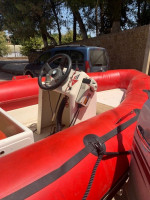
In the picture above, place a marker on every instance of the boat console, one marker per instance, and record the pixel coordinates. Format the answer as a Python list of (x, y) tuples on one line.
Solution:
[(67, 104)]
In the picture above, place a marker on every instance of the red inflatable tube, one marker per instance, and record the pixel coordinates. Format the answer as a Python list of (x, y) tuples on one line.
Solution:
[(18, 93), (60, 166)]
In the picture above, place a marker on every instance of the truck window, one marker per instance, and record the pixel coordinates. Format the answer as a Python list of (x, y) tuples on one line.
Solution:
[(77, 60)]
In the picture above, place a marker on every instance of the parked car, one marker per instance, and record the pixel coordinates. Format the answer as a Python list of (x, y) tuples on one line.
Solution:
[(84, 58)]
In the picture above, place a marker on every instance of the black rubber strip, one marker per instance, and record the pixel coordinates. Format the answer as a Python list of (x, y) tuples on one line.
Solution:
[(46, 180), (119, 128)]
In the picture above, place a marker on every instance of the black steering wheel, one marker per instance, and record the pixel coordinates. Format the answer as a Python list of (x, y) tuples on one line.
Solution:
[(54, 71)]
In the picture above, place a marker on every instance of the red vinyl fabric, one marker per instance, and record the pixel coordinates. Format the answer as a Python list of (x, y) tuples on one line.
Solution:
[(24, 167), (18, 93)]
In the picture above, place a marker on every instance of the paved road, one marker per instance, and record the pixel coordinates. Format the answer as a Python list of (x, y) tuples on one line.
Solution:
[(15, 67), (5, 76), (7, 61)]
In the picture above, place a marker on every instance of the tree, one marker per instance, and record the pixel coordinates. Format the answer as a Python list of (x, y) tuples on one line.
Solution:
[(25, 19), (68, 37), (4, 49), (143, 12), (75, 5), (115, 9), (31, 45), (41, 18), (53, 5), (1, 22)]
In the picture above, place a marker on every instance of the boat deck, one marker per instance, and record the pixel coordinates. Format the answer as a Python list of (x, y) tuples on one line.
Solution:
[(106, 100)]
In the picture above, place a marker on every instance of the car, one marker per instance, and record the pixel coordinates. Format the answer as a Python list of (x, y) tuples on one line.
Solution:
[(84, 58)]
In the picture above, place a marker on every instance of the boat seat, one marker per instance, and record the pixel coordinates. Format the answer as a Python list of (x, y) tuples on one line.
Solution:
[(13, 134), (2, 135)]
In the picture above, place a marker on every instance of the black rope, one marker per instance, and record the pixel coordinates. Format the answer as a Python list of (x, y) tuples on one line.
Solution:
[(100, 157), (53, 129), (53, 116), (57, 103), (60, 113), (50, 102), (75, 116), (92, 177)]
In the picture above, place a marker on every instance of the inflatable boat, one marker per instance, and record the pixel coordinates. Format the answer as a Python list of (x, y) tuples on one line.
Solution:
[(86, 156)]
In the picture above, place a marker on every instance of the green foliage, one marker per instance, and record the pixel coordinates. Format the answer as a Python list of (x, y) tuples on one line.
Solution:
[(68, 37), (14, 41), (4, 49), (25, 19), (31, 45)]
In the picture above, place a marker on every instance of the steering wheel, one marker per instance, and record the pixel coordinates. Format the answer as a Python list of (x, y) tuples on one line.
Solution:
[(55, 73)]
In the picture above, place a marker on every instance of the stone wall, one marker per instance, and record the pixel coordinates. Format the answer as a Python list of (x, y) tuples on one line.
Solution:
[(126, 49)]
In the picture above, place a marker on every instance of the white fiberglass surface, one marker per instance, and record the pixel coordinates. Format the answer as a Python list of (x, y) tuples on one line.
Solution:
[(111, 97)]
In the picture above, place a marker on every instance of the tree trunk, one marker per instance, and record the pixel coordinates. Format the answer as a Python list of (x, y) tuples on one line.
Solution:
[(139, 12), (102, 22), (80, 22), (57, 21), (44, 37), (97, 18), (115, 27), (54, 43), (74, 29), (115, 6)]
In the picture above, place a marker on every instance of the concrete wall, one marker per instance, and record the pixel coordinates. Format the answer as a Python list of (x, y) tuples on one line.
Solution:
[(126, 49), (14, 51)]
